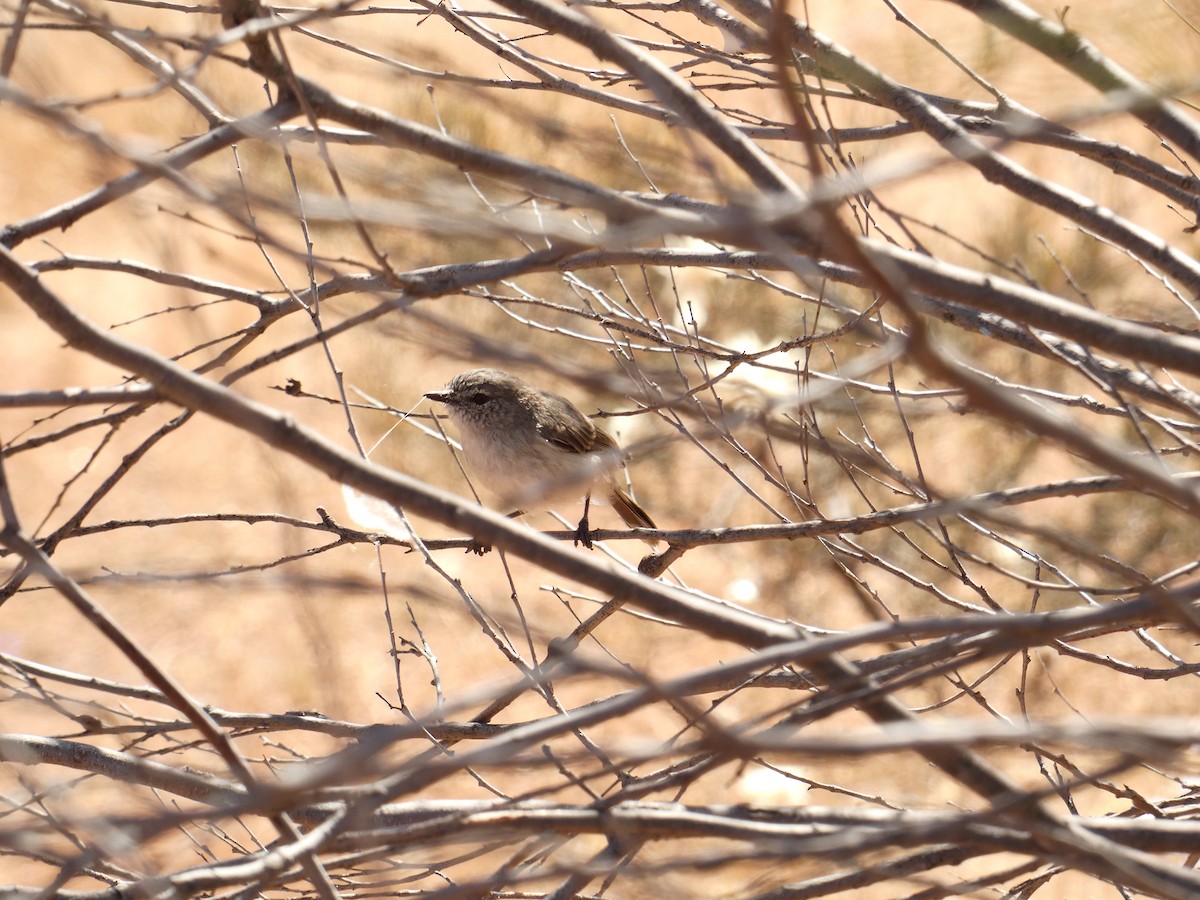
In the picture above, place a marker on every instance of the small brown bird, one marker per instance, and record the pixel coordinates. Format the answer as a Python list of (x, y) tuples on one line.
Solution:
[(530, 446)]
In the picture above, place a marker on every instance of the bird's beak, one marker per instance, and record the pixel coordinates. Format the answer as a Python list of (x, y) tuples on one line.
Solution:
[(439, 396)]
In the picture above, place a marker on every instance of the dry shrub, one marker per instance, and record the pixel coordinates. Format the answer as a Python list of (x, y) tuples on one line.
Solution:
[(895, 315)]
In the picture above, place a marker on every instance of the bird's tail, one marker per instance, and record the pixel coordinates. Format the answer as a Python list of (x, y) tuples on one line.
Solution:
[(631, 512)]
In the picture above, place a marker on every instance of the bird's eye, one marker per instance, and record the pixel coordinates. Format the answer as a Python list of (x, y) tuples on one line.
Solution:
[(479, 399)]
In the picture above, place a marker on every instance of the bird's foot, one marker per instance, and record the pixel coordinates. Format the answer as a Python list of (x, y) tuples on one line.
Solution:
[(583, 534)]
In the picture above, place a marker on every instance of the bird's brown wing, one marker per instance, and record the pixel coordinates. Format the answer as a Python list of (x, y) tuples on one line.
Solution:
[(573, 431), (576, 433)]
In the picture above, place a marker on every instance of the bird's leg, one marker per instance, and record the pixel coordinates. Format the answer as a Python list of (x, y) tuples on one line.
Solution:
[(479, 549), (583, 534)]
